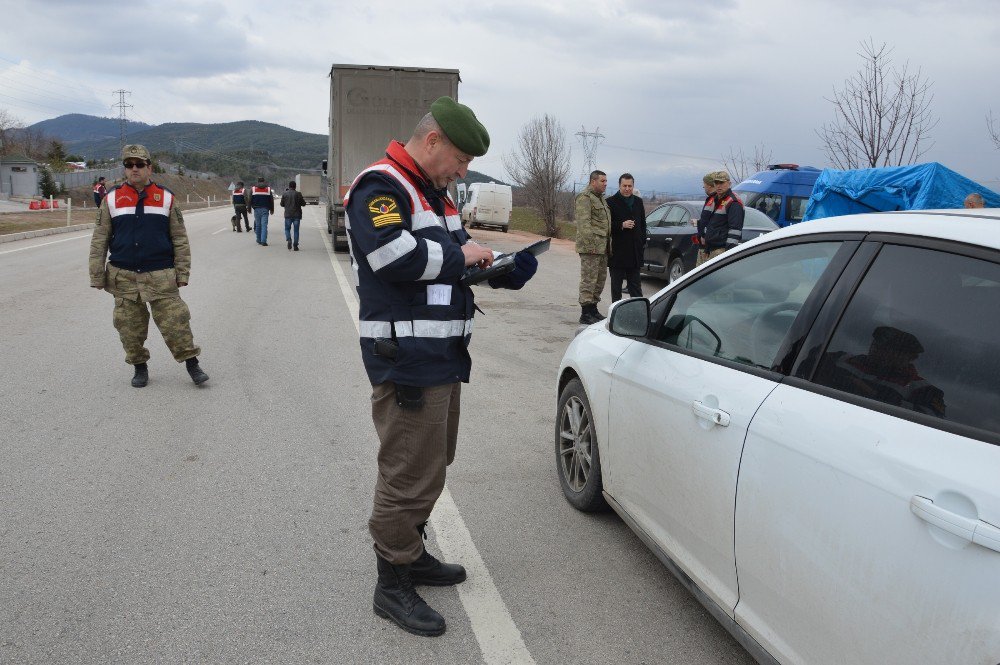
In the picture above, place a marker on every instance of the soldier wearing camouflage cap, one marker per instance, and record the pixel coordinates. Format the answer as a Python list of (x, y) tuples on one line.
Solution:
[(409, 253), (720, 226), (141, 227)]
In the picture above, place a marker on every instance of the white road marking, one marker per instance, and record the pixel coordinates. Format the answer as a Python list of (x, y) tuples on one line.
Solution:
[(43, 244), (499, 639), (220, 230)]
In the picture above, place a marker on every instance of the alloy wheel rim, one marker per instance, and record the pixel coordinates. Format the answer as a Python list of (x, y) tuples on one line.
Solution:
[(575, 442)]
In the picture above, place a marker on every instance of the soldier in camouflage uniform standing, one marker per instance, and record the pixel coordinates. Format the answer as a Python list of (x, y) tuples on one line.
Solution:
[(143, 229), (593, 244)]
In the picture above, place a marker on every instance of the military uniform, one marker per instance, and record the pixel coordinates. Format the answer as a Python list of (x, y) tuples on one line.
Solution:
[(240, 201), (593, 244), (143, 230)]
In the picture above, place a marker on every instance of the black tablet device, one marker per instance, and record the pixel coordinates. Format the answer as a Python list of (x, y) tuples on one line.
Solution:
[(502, 265)]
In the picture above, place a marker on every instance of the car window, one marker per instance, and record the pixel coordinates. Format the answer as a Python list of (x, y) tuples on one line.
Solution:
[(654, 218), (765, 202), (796, 208), (743, 310), (922, 333), (675, 216), (758, 221)]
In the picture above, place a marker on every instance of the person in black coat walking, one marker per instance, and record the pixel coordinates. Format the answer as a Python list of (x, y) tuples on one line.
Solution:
[(628, 238)]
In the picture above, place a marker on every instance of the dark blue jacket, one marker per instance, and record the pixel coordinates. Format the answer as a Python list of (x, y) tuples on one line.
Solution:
[(408, 269), (261, 197), (140, 228)]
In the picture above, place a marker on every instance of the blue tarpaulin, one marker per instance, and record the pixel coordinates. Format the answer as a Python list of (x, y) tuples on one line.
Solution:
[(919, 187)]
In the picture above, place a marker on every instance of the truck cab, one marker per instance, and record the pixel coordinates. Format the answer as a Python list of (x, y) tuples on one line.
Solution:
[(781, 192)]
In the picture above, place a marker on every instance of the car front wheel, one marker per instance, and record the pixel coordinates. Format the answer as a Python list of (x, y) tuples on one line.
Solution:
[(676, 270), (578, 461)]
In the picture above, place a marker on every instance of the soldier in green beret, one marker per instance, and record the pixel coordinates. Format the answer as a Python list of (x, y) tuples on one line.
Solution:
[(141, 227), (410, 252)]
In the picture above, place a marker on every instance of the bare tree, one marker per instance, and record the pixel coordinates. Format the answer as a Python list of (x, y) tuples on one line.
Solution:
[(8, 123), (741, 166), (539, 162), (993, 128), (883, 115)]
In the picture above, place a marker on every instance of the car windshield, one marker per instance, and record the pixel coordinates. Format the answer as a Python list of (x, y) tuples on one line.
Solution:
[(766, 202)]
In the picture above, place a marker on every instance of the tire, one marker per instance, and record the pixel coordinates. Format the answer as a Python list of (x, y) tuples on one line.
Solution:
[(675, 270), (578, 462), (505, 229)]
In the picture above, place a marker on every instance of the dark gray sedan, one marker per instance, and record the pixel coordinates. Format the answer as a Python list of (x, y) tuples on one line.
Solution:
[(669, 251)]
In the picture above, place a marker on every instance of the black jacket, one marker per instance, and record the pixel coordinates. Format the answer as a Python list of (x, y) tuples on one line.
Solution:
[(292, 201), (626, 244)]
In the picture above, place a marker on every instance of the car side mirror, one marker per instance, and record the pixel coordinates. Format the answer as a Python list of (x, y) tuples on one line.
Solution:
[(629, 318)]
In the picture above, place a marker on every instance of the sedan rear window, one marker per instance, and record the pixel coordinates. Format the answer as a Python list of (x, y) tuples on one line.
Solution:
[(922, 333)]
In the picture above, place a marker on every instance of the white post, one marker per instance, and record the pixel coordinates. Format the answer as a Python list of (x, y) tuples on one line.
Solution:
[(69, 207), (189, 198), (50, 203)]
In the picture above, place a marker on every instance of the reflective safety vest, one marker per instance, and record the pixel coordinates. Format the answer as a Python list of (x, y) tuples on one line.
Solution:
[(260, 197), (407, 266), (239, 197), (724, 227), (140, 228)]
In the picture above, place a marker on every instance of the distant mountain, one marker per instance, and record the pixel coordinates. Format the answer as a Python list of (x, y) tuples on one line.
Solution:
[(75, 128), (240, 150)]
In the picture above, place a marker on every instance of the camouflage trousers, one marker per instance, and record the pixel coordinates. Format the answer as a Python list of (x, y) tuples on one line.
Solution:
[(157, 289), (707, 255), (593, 274)]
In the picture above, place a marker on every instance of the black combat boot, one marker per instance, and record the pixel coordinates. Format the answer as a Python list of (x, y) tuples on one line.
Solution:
[(289, 245), (589, 314), (197, 375), (141, 377), (431, 572), (396, 599), (295, 247)]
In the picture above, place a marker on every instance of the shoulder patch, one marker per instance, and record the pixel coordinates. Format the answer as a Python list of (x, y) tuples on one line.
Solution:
[(384, 211)]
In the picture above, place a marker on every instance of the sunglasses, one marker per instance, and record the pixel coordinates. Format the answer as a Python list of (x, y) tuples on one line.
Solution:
[(135, 165)]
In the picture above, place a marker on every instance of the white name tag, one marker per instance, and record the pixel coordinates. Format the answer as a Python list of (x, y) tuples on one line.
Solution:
[(439, 294)]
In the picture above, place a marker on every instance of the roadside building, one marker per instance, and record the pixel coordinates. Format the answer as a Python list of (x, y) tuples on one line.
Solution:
[(18, 176)]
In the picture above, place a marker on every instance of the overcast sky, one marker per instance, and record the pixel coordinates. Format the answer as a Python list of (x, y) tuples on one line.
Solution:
[(672, 85)]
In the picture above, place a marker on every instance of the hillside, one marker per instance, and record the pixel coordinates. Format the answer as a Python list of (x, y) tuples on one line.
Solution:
[(240, 150), (74, 129)]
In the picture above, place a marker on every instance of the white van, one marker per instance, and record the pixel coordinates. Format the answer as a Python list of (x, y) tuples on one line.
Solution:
[(489, 204)]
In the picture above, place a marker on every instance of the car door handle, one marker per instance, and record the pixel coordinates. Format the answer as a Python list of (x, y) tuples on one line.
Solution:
[(975, 531), (717, 416)]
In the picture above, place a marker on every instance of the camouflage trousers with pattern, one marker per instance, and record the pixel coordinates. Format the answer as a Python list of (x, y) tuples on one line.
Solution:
[(158, 290), (593, 275)]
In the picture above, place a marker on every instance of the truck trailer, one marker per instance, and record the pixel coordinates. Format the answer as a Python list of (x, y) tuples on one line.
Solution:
[(369, 107), (309, 186)]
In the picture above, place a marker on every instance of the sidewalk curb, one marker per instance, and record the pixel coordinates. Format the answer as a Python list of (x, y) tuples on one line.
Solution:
[(22, 235), (11, 237)]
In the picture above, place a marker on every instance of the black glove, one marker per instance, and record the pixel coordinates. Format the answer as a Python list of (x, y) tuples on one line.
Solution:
[(525, 265)]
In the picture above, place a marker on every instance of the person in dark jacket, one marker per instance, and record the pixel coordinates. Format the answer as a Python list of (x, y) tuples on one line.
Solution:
[(241, 204), (262, 202), (724, 228), (628, 238), (101, 190), (293, 202)]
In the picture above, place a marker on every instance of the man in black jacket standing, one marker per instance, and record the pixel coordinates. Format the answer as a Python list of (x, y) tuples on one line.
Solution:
[(628, 238), (293, 202)]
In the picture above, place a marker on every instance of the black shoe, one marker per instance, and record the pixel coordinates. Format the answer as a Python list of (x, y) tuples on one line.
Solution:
[(264, 244), (430, 571), (239, 230), (289, 245), (395, 599), (295, 247), (589, 315), (197, 374), (141, 377)]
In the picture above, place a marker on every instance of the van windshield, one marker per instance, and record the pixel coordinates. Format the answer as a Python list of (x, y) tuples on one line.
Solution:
[(766, 202), (796, 208)]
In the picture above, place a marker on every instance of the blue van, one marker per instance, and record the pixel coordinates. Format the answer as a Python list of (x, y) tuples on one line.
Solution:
[(781, 192)]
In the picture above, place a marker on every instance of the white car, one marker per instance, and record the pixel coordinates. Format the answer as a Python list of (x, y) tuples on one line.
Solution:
[(806, 431)]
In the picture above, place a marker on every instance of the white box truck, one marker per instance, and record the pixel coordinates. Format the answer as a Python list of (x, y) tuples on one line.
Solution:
[(308, 185), (369, 107), (487, 204)]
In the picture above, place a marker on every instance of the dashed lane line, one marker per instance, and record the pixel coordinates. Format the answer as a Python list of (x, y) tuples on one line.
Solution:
[(43, 244), (499, 639)]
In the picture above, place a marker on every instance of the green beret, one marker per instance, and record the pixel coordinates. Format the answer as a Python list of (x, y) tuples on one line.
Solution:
[(461, 126), (136, 151)]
